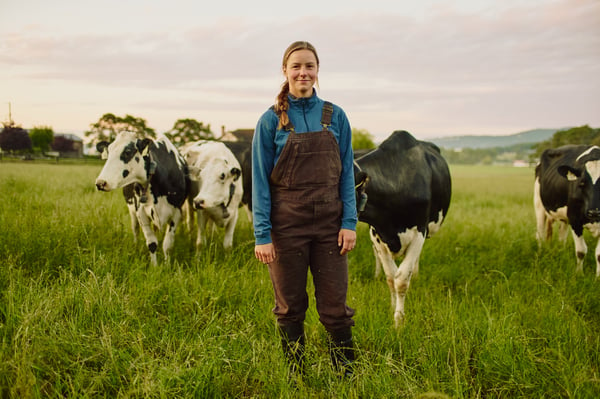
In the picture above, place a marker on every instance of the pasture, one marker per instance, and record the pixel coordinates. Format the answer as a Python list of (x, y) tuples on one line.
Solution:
[(83, 314)]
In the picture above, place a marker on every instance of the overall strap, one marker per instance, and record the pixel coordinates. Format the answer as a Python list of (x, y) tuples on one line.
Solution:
[(326, 115)]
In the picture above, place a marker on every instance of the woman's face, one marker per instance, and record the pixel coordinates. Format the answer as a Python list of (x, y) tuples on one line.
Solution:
[(301, 71)]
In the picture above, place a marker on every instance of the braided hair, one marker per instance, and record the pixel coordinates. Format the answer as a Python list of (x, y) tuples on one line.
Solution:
[(281, 103)]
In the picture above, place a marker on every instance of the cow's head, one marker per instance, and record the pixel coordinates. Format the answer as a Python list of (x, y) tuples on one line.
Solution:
[(217, 180), (361, 180), (126, 159), (584, 176)]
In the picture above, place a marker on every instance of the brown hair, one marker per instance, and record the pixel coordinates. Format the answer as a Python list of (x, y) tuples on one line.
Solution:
[(281, 103)]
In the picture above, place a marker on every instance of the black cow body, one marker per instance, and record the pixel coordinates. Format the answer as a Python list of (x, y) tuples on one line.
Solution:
[(409, 188), (242, 150), (567, 190), (155, 184)]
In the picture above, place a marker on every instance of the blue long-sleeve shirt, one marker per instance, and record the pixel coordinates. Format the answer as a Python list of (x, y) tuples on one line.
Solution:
[(267, 144)]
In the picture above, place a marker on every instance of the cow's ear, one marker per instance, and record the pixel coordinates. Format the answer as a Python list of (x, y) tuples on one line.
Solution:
[(194, 173), (236, 173), (102, 148), (568, 172), (142, 144)]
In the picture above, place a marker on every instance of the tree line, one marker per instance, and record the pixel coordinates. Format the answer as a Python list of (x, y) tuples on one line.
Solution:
[(15, 139)]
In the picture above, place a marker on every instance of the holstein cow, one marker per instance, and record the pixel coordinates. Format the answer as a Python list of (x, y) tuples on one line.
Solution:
[(154, 179), (243, 153), (217, 187), (403, 192), (567, 189)]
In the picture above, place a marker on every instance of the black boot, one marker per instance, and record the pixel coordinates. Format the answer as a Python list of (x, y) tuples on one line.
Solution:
[(341, 350), (292, 343)]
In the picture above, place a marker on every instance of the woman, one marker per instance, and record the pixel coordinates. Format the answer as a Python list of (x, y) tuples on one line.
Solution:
[(304, 207)]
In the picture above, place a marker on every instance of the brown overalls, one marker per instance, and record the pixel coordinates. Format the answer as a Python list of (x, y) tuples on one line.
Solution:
[(306, 215)]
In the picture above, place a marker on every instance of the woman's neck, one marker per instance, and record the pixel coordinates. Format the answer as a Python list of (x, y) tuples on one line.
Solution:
[(303, 94)]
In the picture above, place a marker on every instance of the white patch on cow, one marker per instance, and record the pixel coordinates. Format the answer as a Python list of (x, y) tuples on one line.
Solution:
[(210, 166), (559, 214), (398, 277), (571, 176), (587, 152), (434, 227), (594, 229), (593, 169)]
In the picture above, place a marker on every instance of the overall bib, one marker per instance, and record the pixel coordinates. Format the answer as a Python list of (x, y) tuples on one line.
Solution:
[(306, 215)]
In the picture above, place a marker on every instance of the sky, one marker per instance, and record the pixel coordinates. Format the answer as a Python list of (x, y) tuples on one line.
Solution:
[(432, 67)]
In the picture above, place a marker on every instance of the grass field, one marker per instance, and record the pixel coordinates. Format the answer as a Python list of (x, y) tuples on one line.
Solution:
[(82, 314)]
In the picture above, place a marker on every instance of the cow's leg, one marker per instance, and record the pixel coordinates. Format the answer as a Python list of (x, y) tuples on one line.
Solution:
[(416, 268), (548, 229), (187, 214), (135, 225), (390, 268), (248, 213), (202, 219), (151, 240), (580, 250), (377, 263), (563, 231), (375, 253), (540, 215), (404, 273), (229, 229), (169, 238)]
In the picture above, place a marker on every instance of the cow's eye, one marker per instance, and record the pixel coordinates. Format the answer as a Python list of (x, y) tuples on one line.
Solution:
[(222, 176)]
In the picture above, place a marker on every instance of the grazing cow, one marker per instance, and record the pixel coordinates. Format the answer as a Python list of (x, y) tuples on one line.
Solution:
[(567, 190), (243, 152), (217, 187), (403, 193), (154, 179)]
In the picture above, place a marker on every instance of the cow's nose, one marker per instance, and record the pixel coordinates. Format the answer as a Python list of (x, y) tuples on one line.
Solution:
[(593, 214), (101, 184), (199, 204)]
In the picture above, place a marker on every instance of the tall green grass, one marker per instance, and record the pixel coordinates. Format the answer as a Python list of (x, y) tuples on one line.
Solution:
[(82, 314)]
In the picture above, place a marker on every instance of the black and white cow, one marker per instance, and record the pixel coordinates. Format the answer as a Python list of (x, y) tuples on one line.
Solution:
[(216, 187), (243, 152), (408, 187), (567, 190), (154, 179)]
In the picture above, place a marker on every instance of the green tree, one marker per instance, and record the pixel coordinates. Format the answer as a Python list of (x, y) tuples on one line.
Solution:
[(189, 130), (362, 140), (577, 135), (109, 125), (41, 137)]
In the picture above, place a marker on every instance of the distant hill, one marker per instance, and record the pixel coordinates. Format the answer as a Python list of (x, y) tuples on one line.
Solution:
[(529, 136)]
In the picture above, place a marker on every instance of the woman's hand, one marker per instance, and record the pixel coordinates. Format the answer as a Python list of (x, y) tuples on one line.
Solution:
[(346, 240), (265, 253)]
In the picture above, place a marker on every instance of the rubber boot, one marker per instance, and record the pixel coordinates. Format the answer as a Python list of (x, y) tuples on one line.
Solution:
[(292, 343), (341, 350)]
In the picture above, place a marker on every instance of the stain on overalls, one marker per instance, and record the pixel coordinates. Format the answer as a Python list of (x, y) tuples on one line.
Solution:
[(306, 215)]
